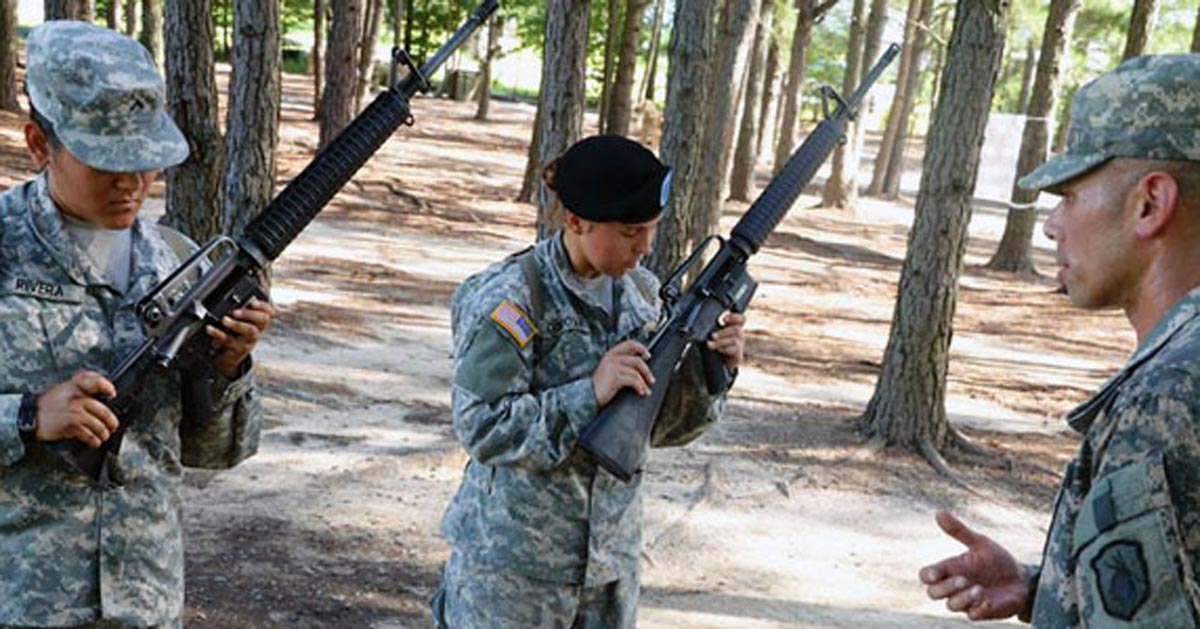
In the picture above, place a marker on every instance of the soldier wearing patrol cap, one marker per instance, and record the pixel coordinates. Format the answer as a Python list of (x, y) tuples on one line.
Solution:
[(74, 260), (543, 340), (1124, 544)]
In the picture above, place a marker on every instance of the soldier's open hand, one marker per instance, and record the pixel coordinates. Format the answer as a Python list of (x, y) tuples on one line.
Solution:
[(245, 327), (622, 366), (71, 410), (985, 582)]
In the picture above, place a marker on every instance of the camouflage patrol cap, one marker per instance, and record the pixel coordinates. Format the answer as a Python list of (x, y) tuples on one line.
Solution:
[(103, 96), (1147, 108)]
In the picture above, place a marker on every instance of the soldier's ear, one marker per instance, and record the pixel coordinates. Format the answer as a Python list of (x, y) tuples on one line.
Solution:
[(572, 222), (38, 144), (1157, 198)]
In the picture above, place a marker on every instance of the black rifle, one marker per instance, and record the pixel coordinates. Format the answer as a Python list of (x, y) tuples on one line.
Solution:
[(225, 274), (619, 435)]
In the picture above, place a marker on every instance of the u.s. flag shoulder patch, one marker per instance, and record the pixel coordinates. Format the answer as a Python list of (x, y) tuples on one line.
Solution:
[(513, 320)]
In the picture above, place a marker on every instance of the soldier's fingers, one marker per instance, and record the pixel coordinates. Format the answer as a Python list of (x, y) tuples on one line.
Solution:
[(220, 337), (980, 610), (102, 413), (93, 384), (257, 318), (641, 368), (96, 427), (241, 329), (632, 379), (733, 320), (947, 587), (632, 348), (965, 599), (83, 434), (954, 527)]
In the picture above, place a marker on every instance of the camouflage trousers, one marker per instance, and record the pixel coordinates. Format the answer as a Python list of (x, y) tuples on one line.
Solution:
[(108, 624), (477, 597)]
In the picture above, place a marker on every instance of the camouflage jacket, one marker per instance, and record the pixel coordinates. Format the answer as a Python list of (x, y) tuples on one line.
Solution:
[(1125, 540), (72, 552), (531, 501)]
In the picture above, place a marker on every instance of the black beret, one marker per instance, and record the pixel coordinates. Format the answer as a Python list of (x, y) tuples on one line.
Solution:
[(610, 178)]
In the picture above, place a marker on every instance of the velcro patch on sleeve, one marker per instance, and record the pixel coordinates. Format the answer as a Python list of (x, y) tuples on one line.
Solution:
[(513, 320)]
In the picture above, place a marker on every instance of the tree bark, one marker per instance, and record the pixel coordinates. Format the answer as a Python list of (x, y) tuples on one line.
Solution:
[(1027, 72), (337, 104), (727, 85), (655, 37), (112, 16), (397, 21), (841, 189), (64, 9), (318, 55), (564, 66), (894, 118), (794, 84), (620, 106), (533, 170), (745, 158), (485, 77), (1014, 254), (770, 97), (608, 70), (1196, 34), (132, 17), (194, 195), (1141, 28), (152, 29), (912, 91), (908, 406), (372, 19), (254, 104), (691, 55), (8, 57), (876, 20)]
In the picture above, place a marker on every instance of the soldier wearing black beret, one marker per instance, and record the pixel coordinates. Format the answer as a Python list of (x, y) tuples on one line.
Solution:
[(542, 536)]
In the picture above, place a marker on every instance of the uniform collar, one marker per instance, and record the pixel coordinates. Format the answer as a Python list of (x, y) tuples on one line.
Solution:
[(1182, 313), (561, 262)]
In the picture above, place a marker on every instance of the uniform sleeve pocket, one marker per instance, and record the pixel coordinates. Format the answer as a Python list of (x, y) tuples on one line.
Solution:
[(1130, 564)]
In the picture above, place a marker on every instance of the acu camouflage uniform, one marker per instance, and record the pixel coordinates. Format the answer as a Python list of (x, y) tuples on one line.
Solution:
[(74, 553), (1125, 540), (533, 508)]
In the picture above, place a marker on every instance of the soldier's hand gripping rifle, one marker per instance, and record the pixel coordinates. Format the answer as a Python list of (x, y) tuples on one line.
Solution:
[(619, 435), (225, 274)]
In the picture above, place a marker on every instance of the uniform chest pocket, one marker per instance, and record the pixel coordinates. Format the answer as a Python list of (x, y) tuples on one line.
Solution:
[(570, 350), (27, 361), (78, 335), (1130, 563)]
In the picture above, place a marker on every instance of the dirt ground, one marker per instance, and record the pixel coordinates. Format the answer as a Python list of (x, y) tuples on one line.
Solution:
[(783, 515)]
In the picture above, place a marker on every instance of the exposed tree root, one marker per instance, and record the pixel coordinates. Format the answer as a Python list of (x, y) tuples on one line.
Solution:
[(968, 451), (939, 465)]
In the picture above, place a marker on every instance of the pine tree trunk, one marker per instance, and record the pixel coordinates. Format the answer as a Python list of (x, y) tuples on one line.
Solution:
[(397, 21), (770, 96), (876, 20), (533, 166), (112, 16), (1027, 78), (152, 29), (745, 158), (841, 189), (691, 56), (372, 19), (794, 83), (1014, 254), (727, 86), (194, 192), (912, 89), (1196, 34), (609, 70), (1141, 28), (132, 17), (563, 95), (8, 57), (485, 76), (318, 56), (894, 118), (63, 9), (655, 37), (337, 103), (620, 107), (908, 406), (254, 104)]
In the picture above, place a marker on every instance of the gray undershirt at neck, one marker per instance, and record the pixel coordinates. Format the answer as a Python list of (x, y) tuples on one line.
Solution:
[(600, 289), (110, 250)]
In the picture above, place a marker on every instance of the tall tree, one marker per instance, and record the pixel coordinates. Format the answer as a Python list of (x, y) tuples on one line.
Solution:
[(66, 9), (895, 116), (735, 35), (770, 95), (112, 16), (254, 102), (8, 56), (1027, 73), (912, 89), (372, 19), (908, 406), (533, 165), (876, 20), (398, 16), (841, 188), (564, 66), (608, 67), (1141, 27), (337, 103), (655, 37), (1014, 252), (1196, 34), (152, 29), (691, 55), (620, 105), (318, 56), (745, 157), (495, 26), (807, 14), (194, 194), (132, 16)]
